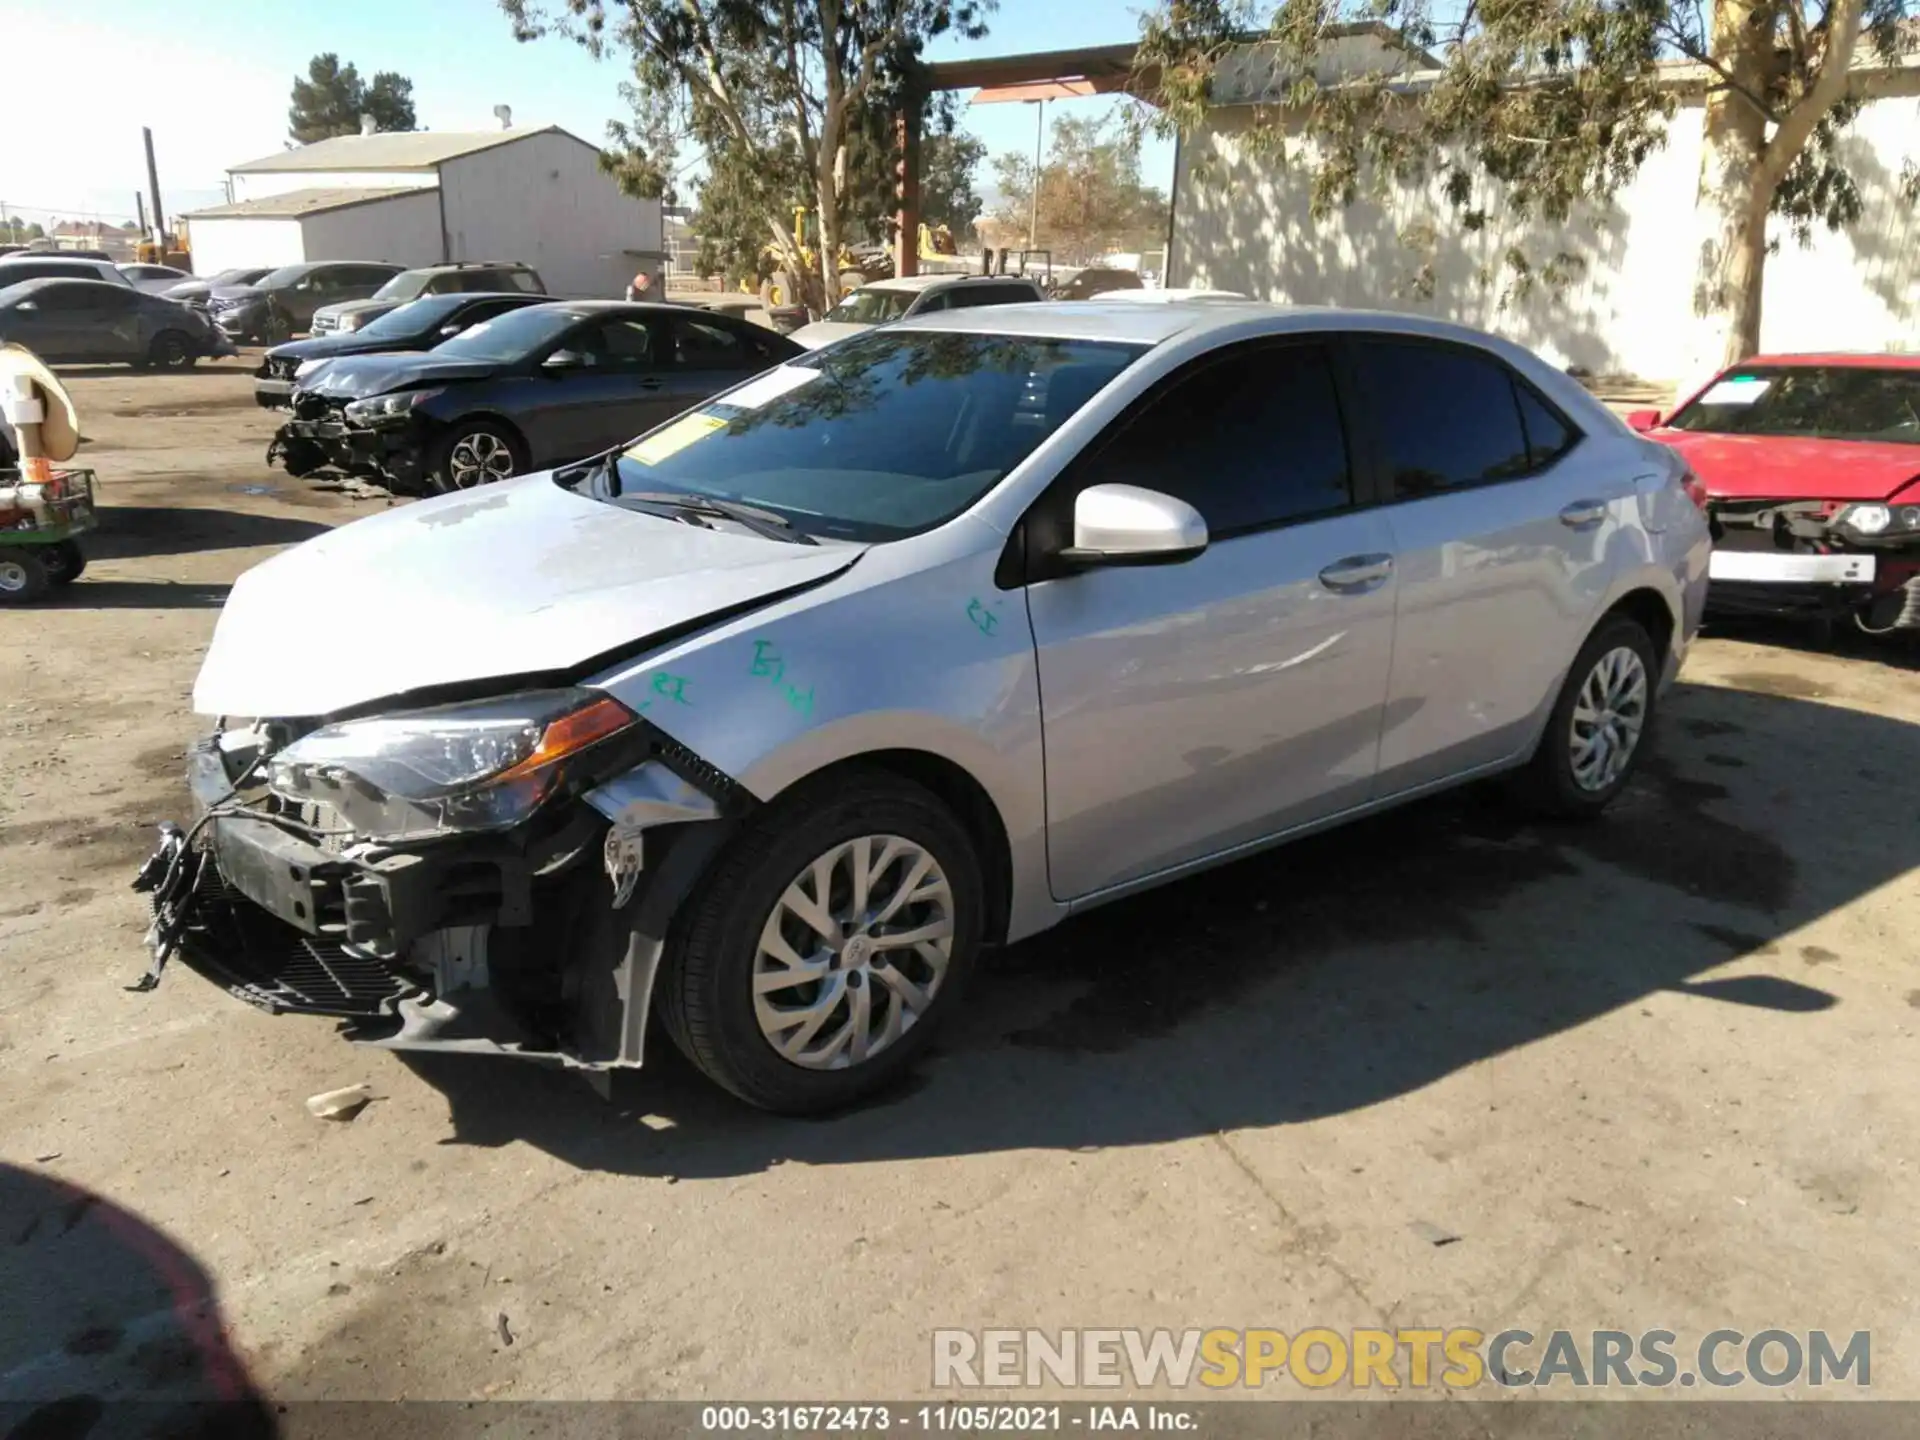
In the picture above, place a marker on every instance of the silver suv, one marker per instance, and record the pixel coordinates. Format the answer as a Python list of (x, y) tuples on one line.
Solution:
[(467, 276), (885, 301), (769, 720)]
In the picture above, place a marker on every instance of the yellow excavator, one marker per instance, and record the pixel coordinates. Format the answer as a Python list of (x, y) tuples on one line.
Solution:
[(171, 250), (858, 265)]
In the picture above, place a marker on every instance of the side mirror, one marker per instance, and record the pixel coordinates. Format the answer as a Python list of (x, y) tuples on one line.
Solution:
[(565, 360), (448, 331), (1131, 525), (1643, 420)]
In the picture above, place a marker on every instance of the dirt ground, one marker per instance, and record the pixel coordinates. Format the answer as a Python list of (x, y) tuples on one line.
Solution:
[(1438, 1070)]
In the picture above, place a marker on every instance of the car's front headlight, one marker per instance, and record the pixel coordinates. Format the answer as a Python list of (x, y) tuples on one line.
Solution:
[(1873, 520), (349, 322), (482, 766), (377, 408)]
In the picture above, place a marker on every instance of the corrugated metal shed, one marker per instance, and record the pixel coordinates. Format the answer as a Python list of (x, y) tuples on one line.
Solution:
[(294, 203), (392, 150)]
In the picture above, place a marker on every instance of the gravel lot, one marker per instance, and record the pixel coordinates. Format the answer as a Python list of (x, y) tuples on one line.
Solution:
[(1438, 1070)]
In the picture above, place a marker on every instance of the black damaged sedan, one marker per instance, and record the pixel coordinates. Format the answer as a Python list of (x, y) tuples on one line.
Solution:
[(527, 390), (418, 325)]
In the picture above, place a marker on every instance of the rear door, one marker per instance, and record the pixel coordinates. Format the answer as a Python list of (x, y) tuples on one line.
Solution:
[(49, 321), (612, 386), (712, 354), (1195, 707), (1500, 520)]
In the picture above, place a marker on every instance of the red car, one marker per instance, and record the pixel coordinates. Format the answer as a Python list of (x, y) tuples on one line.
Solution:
[(1811, 465)]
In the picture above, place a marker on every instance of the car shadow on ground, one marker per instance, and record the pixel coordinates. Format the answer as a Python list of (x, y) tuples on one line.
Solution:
[(1900, 650), (110, 1329), (136, 531), (1331, 974)]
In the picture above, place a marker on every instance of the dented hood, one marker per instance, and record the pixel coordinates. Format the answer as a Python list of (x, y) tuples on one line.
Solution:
[(517, 579)]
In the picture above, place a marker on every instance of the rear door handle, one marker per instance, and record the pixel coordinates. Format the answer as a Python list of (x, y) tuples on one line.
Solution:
[(1357, 574), (1584, 514)]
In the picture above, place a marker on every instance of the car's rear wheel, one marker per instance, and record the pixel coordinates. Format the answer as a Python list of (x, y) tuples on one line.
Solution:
[(170, 350), (811, 965), (478, 452), (23, 575), (1599, 727)]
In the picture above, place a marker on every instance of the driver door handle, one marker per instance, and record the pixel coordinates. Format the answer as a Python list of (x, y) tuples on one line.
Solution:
[(1357, 574), (1584, 514)]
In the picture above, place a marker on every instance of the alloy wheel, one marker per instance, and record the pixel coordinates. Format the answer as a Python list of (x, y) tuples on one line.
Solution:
[(1608, 718), (853, 953), (479, 459)]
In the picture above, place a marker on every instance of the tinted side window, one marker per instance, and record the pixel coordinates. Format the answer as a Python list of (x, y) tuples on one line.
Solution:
[(61, 299), (1447, 416), (1249, 440), (486, 310), (1549, 434), (628, 344), (359, 277), (702, 345)]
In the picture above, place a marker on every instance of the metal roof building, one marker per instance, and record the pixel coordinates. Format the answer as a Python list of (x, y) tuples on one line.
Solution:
[(537, 196)]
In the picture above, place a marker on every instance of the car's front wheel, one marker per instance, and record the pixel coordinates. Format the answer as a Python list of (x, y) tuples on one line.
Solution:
[(809, 968), (478, 452), (1599, 726)]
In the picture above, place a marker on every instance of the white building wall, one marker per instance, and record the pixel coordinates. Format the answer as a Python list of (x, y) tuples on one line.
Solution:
[(545, 201), (225, 243), (404, 230), (259, 186), (1247, 227)]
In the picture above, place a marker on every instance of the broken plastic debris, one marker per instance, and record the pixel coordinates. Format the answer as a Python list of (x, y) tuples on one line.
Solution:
[(506, 1335), (342, 1104)]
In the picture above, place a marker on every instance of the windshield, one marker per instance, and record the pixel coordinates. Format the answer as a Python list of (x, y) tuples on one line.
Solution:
[(512, 336), (871, 305), (1825, 402), (889, 434), (239, 275), (404, 286), (412, 318)]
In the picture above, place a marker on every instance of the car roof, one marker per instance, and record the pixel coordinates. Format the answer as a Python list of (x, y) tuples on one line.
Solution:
[(929, 282), (1880, 360), (41, 282), (1099, 319)]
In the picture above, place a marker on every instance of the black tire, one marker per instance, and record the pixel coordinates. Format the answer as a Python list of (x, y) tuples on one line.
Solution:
[(302, 457), (23, 575), (66, 562), (779, 289), (171, 350), (1548, 785), (705, 990), (446, 472)]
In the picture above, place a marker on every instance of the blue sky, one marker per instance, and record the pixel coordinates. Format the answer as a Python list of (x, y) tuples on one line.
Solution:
[(212, 79)]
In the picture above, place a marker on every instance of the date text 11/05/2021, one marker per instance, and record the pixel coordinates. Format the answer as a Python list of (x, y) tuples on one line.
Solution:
[(951, 1418)]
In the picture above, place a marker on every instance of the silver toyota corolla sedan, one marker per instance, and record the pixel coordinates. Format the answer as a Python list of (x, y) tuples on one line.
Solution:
[(768, 721)]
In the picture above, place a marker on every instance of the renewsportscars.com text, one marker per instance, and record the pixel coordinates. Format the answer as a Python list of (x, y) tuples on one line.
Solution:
[(1460, 1358)]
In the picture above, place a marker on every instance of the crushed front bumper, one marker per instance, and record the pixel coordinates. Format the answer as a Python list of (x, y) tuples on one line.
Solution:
[(1790, 558), (391, 453), (517, 943)]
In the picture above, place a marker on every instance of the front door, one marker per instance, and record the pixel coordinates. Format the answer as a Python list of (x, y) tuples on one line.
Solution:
[(613, 387), (1501, 524), (1194, 707)]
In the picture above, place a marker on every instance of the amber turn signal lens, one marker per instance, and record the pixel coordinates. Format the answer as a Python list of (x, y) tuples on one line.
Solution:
[(573, 732)]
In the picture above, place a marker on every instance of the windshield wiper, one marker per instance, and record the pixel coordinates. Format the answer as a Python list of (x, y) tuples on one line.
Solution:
[(684, 504)]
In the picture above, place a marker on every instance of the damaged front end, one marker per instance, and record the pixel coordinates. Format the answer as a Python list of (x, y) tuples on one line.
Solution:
[(375, 438), (1818, 559), (488, 877)]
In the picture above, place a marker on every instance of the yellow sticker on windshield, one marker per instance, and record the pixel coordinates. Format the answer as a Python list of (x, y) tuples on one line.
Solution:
[(675, 438)]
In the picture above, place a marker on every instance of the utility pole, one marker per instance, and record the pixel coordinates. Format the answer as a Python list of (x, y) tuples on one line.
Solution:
[(153, 187)]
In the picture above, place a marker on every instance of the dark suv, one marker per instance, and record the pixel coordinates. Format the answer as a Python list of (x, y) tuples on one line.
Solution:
[(281, 303), (465, 276)]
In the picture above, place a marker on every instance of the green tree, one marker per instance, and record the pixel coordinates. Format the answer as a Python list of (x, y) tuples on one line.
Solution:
[(1091, 198), (1558, 102), (789, 103), (332, 98), (948, 164)]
